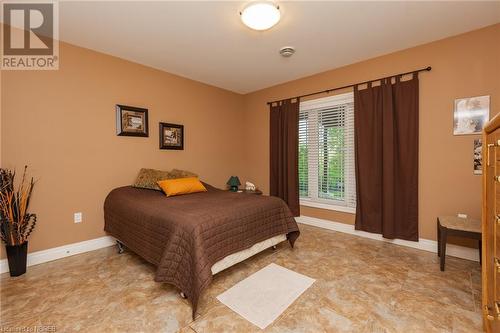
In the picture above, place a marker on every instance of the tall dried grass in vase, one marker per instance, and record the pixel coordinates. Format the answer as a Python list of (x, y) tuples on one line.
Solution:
[(16, 224)]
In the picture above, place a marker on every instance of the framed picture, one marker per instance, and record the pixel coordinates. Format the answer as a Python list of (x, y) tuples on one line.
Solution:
[(131, 121), (478, 157), (471, 114), (171, 136)]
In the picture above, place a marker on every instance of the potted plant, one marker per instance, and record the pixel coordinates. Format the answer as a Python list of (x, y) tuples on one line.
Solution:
[(16, 224)]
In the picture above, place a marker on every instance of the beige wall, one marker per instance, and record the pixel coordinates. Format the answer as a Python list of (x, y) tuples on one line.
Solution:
[(62, 124), (465, 65)]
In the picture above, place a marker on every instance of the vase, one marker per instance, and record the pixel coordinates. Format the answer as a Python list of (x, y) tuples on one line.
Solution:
[(16, 255)]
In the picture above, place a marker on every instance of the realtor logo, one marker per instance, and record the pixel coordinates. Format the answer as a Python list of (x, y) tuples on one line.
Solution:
[(30, 36)]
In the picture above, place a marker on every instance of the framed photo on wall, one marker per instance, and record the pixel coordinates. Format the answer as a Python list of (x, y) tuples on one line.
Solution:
[(131, 121), (470, 115), (478, 157), (171, 136)]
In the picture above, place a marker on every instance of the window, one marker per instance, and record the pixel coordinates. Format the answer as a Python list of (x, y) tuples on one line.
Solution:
[(326, 153)]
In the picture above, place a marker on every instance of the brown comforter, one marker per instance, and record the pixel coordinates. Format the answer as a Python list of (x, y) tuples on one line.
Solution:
[(185, 235)]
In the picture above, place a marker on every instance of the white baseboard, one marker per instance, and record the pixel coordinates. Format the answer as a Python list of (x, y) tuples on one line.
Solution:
[(422, 244), (40, 257)]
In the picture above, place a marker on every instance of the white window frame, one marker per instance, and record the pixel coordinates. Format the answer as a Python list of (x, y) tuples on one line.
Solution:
[(314, 200)]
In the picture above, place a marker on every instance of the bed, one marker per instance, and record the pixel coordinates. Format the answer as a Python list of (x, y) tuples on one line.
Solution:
[(191, 237)]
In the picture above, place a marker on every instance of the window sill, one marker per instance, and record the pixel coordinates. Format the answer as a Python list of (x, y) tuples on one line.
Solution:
[(315, 204)]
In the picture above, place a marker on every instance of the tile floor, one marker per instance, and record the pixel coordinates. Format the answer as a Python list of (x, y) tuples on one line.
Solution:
[(362, 286)]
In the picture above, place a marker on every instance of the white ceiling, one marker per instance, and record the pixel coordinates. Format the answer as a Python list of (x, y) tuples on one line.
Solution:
[(206, 41)]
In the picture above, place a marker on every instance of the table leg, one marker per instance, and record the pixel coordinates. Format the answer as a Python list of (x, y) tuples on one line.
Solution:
[(442, 246), (439, 238)]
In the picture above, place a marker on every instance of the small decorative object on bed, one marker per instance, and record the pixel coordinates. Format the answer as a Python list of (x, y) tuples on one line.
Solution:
[(171, 136), (16, 224), (471, 114), (233, 183), (250, 186), (478, 157), (131, 121)]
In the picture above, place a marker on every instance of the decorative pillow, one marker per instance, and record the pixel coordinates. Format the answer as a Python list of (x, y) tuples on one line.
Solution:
[(148, 178), (180, 186), (176, 173)]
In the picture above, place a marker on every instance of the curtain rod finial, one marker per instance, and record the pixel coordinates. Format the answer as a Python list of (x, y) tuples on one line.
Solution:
[(428, 68)]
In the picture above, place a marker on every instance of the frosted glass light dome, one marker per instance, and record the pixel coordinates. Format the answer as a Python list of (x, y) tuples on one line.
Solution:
[(260, 15)]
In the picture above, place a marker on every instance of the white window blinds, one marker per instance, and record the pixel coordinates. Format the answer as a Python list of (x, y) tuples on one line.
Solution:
[(326, 151)]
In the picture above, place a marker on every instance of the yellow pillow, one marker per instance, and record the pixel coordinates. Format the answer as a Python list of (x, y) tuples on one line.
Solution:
[(180, 186)]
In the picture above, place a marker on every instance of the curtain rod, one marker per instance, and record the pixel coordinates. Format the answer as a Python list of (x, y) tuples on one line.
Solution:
[(426, 69)]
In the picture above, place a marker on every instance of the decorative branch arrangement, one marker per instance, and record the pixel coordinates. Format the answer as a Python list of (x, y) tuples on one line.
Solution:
[(16, 224)]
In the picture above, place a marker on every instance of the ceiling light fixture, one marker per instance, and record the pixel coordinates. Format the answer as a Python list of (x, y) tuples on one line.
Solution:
[(260, 15)]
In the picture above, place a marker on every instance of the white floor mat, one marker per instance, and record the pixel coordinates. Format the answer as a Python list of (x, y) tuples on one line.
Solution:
[(264, 295)]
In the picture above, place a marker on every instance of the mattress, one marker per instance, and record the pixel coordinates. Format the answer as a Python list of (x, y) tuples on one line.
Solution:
[(237, 257)]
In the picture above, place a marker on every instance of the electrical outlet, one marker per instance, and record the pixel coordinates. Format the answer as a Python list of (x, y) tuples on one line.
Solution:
[(462, 216), (77, 217)]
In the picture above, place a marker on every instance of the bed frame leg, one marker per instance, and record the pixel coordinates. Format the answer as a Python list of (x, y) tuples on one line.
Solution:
[(183, 295), (120, 247)]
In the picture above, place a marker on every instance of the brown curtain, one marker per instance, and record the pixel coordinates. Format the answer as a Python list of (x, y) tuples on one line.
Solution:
[(284, 152), (386, 132)]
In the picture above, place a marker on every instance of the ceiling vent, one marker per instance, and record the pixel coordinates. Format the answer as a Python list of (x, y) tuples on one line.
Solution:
[(287, 51)]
